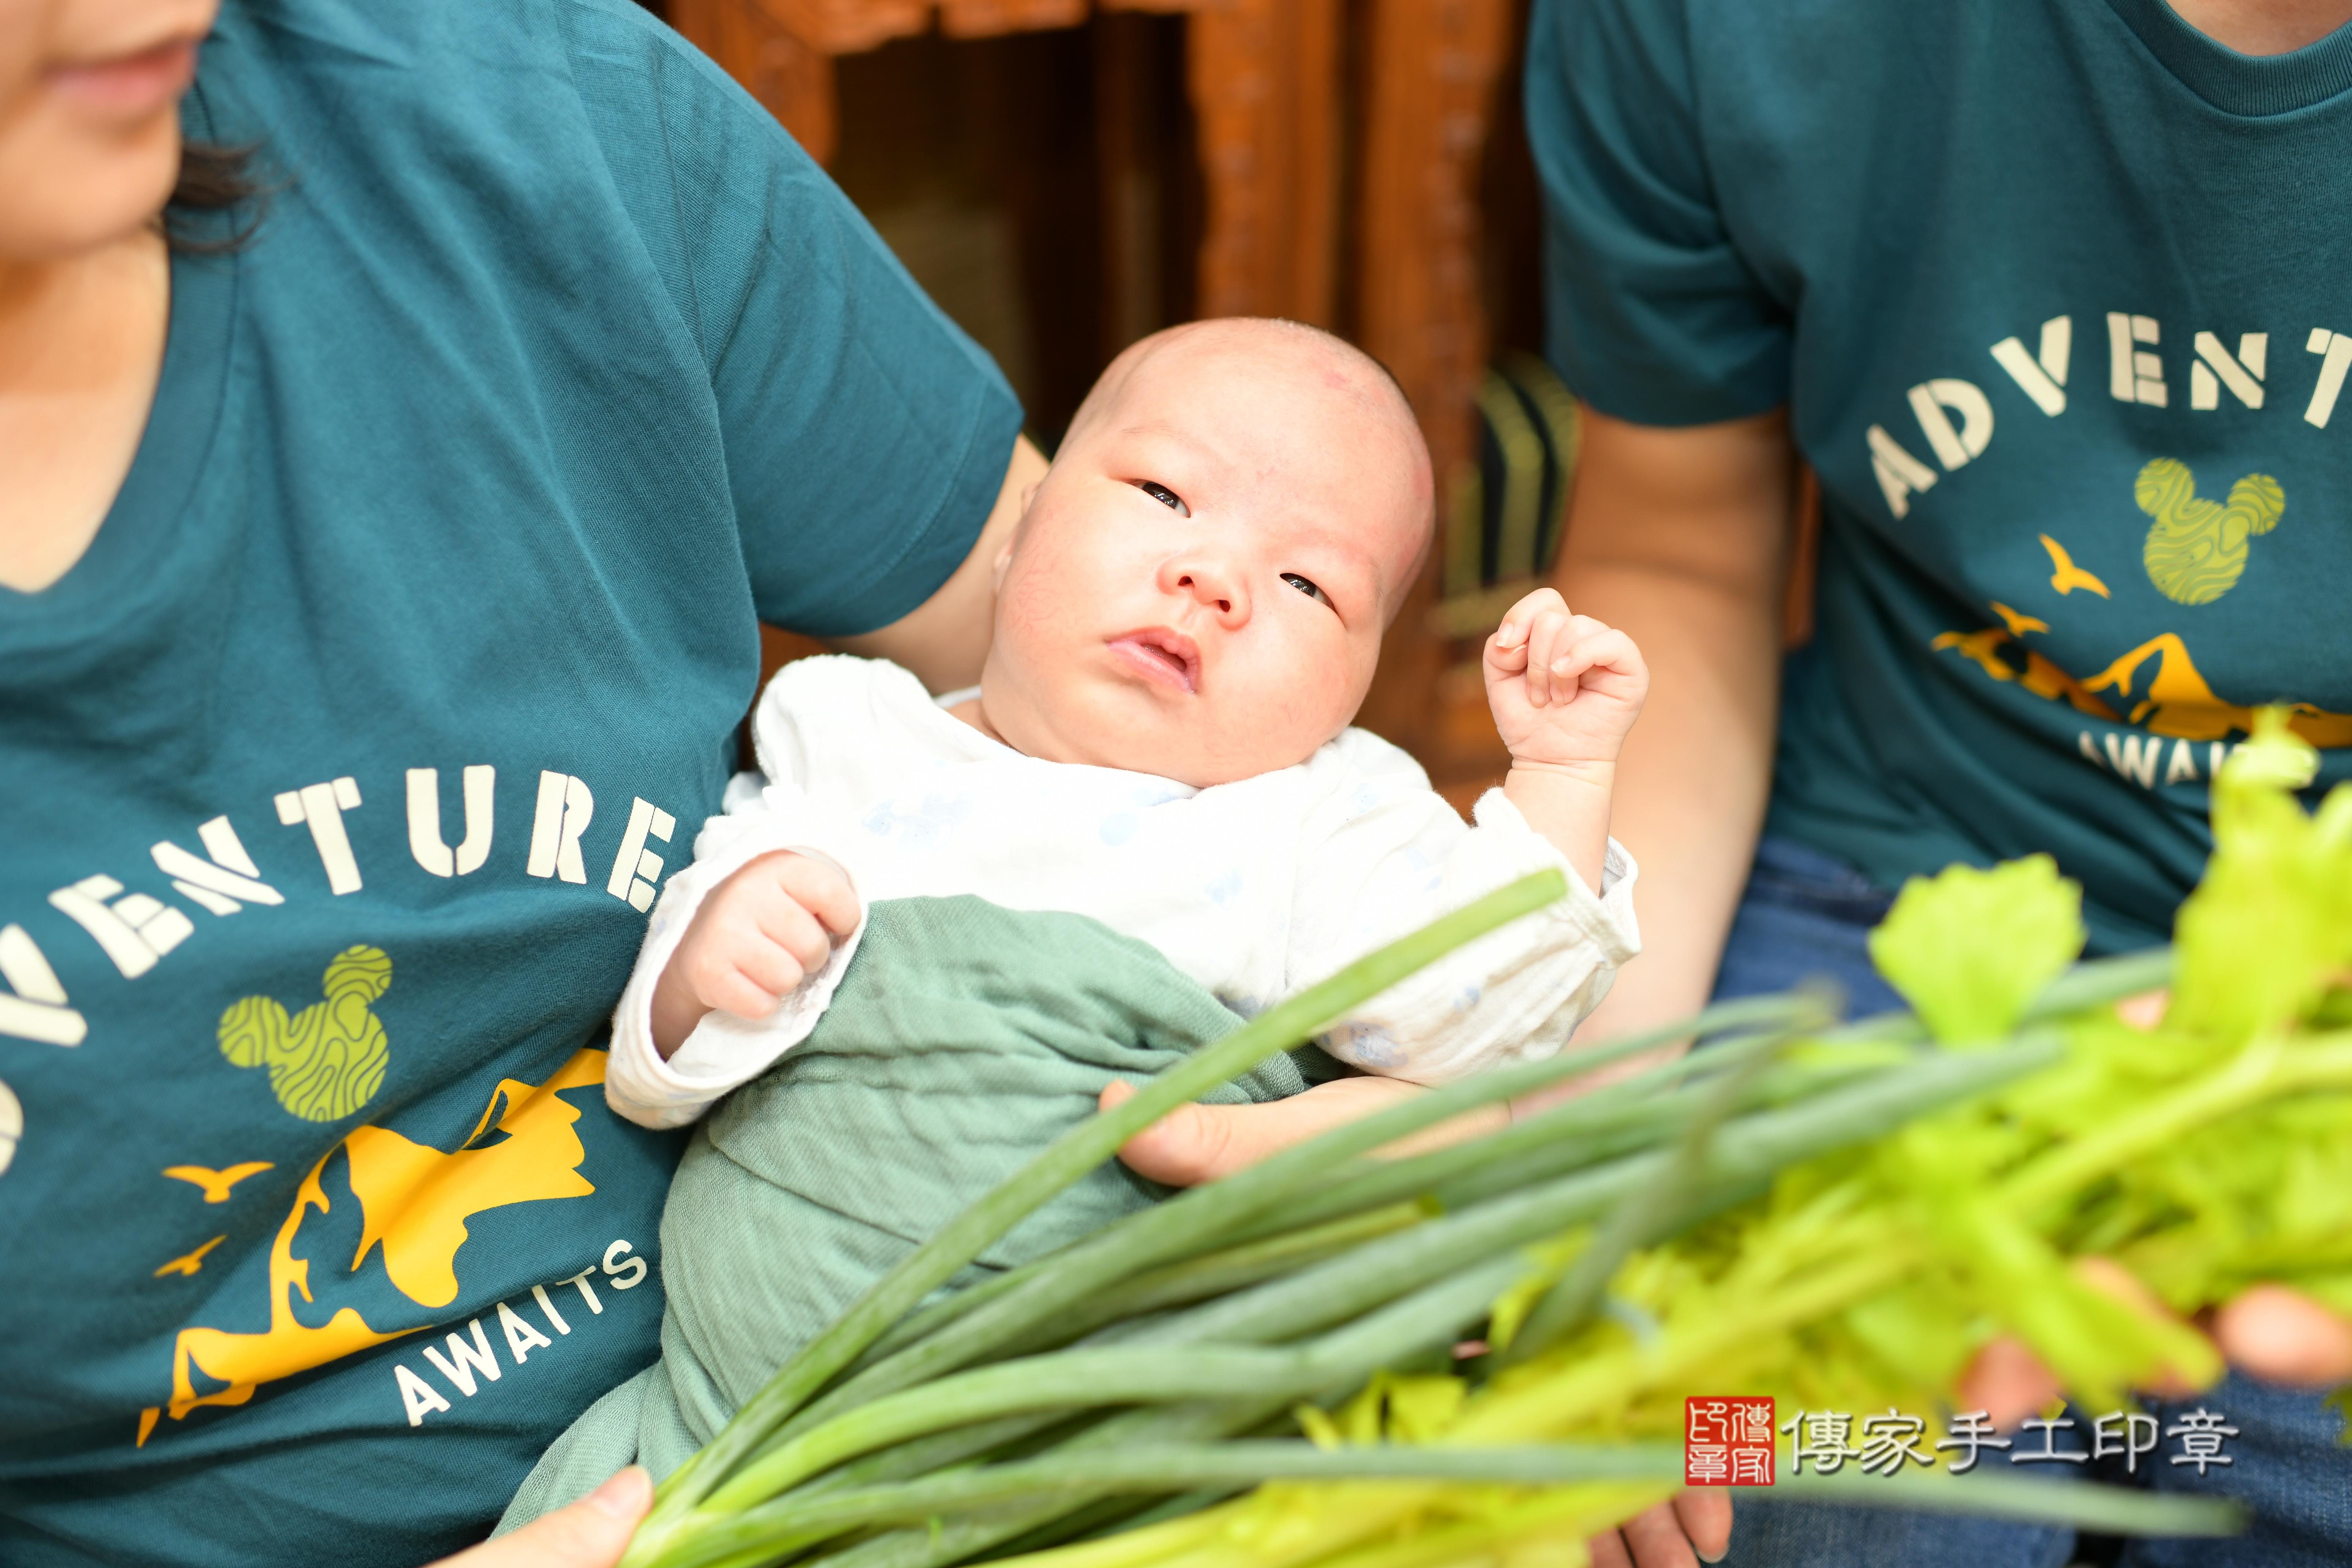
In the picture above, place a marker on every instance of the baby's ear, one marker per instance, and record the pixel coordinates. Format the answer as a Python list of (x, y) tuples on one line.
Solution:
[(1005, 556)]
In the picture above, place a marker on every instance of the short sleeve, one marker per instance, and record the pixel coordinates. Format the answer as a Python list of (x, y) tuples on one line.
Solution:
[(866, 435), (1653, 315)]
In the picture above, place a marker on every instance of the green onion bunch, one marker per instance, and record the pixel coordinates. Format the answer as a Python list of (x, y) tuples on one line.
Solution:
[(1348, 1357)]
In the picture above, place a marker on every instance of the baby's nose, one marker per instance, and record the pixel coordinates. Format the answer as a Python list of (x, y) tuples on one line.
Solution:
[(1212, 593)]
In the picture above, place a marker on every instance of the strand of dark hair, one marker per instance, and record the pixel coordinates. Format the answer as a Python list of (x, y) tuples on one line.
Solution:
[(215, 179)]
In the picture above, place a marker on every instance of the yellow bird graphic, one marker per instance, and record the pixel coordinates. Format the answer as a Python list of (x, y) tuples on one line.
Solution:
[(192, 1262), (216, 1183), (2067, 578), (2018, 623)]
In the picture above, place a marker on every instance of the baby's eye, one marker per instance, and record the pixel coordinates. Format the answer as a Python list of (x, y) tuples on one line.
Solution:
[(1305, 587), (1165, 497)]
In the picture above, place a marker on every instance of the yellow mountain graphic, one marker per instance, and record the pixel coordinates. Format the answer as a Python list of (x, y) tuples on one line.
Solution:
[(2039, 676), (414, 1201), (2177, 702), (2180, 703)]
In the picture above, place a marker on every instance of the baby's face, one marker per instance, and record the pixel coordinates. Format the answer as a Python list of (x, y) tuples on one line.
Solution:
[(1198, 587)]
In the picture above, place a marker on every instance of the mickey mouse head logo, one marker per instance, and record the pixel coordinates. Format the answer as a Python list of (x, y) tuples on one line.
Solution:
[(2195, 548), (327, 1061)]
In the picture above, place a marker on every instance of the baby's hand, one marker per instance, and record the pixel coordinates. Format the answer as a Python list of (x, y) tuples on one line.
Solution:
[(1564, 687), (766, 928)]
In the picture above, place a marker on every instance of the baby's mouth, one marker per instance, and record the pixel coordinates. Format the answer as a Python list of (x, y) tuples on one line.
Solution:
[(1160, 655)]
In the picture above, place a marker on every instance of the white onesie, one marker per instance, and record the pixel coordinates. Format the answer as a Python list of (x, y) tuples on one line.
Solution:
[(1256, 890)]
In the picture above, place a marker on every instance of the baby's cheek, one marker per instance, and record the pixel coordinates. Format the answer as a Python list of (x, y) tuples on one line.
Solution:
[(1033, 606), (1306, 699)]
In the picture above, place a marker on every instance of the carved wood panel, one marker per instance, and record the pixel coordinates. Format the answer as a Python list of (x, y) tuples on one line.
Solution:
[(1428, 102), (1264, 80), (986, 19), (848, 27)]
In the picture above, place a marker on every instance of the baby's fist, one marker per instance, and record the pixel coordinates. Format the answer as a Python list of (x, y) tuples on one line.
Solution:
[(1564, 687), (766, 928)]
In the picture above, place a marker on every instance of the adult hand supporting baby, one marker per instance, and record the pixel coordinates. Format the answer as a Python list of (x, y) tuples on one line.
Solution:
[(591, 1533), (762, 931), (1196, 1143)]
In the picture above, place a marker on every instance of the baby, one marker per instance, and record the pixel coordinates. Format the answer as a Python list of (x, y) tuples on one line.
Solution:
[(1187, 619)]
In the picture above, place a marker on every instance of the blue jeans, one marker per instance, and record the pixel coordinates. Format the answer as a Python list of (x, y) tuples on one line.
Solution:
[(1806, 915)]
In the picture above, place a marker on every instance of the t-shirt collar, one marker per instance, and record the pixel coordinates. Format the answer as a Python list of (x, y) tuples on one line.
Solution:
[(2250, 85)]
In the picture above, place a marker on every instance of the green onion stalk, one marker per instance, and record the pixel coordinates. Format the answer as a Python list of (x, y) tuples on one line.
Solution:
[(1611, 1373), (1484, 1342), (1061, 1165)]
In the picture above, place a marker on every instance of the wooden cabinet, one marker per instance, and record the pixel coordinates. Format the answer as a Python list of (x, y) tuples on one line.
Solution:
[(1339, 146)]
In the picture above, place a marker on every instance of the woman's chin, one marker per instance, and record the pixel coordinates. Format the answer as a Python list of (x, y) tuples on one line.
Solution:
[(70, 195)]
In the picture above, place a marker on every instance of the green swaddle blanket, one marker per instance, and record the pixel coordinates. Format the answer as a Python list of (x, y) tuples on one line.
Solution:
[(964, 1038)]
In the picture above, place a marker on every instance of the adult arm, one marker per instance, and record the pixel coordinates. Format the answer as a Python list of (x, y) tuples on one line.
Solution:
[(871, 450), (591, 1533), (944, 640)]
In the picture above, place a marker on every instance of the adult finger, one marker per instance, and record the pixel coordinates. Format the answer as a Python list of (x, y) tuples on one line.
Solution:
[(1609, 1550), (2283, 1336), (1196, 1143), (1704, 1513), (2008, 1382), (591, 1533), (2120, 1284), (1656, 1537)]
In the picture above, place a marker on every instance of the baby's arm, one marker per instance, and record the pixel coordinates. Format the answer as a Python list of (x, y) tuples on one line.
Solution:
[(742, 956), (1398, 857), (1564, 690)]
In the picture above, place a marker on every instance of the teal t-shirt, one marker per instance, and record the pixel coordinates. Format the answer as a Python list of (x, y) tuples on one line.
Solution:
[(2051, 291), (336, 779)]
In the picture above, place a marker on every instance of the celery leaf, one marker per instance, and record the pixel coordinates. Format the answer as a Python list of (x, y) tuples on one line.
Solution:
[(1970, 949)]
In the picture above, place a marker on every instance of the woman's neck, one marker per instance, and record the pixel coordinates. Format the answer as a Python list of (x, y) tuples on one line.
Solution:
[(81, 348), (2264, 26)]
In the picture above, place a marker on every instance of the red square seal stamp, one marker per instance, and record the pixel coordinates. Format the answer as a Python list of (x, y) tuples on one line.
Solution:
[(1726, 1442)]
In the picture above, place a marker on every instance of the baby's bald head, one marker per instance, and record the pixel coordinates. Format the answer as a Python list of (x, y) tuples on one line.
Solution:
[(1264, 339), (1324, 380), (1198, 586)]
